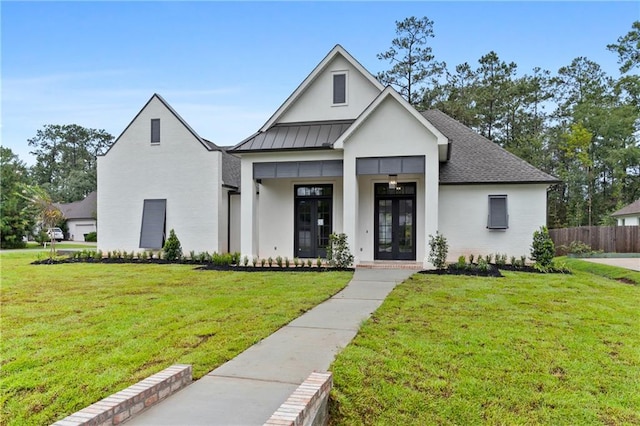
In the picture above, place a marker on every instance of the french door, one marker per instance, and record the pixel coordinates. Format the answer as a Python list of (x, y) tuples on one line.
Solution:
[(395, 214), (313, 220)]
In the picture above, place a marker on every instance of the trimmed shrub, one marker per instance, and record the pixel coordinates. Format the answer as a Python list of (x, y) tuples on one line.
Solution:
[(542, 248), (172, 248), (91, 237)]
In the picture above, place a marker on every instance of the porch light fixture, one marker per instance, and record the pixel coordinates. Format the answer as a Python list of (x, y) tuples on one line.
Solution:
[(393, 181)]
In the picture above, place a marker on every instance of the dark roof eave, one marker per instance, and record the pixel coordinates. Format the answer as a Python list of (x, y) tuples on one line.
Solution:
[(504, 182), (253, 151)]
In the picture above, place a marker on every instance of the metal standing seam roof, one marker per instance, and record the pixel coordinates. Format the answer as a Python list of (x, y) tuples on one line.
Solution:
[(476, 159), (285, 136), (632, 208)]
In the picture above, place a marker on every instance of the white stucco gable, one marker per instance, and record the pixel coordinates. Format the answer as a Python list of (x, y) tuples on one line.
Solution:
[(313, 99), (394, 116)]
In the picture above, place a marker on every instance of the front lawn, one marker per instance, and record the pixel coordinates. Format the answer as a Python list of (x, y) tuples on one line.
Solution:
[(75, 333), (524, 349)]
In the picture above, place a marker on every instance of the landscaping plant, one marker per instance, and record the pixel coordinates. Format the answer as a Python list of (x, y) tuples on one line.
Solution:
[(439, 249), (172, 248), (338, 253), (542, 249)]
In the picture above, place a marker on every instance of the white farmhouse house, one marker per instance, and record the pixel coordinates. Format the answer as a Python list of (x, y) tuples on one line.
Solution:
[(629, 215), (80, 216), (345, 154), (161, 175)]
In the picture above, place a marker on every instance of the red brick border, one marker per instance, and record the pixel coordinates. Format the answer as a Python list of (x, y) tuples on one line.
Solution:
[(307, 405), (118, 407)]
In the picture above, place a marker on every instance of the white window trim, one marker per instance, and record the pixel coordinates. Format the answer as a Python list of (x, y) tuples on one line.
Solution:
[(346, 87)]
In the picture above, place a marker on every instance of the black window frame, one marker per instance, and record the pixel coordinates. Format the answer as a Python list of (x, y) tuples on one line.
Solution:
[(498, 216), (155, 130)]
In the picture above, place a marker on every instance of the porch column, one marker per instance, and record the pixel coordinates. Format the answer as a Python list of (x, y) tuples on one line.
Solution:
[(350, 199), (248, 206), (431, 185)]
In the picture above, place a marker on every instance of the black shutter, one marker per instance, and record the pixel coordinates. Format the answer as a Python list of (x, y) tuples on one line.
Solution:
[(155, 130), (339, 88), (153, 224), (498, 217)]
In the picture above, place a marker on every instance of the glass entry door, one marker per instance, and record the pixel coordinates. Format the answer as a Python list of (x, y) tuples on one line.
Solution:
[(313, 214), (395, 212)]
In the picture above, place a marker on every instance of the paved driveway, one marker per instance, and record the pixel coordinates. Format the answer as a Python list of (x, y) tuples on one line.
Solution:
[(623, 262)]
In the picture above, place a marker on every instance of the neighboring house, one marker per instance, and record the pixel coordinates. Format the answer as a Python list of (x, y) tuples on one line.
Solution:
[(346, 154), (81, 216), (161, 175), (628, 215)]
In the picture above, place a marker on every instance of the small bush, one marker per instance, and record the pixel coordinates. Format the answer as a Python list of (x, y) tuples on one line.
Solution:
[(439, 249), (270, 261), (338, 253), (91, 237), (254, 261), (319, 262), (296, 262), (501, 260), (542, 248), (309, 263), (245, 261), (489, 258), (263, 262), (172, 249), (462, 262), (279, 261), (483, 265), (287, 262), (513, 260), (471, 259)]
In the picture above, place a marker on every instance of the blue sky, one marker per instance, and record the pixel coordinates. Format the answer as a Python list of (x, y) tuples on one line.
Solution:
[(226, 67)]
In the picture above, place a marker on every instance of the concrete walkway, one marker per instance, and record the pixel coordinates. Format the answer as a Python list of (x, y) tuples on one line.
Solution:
[(249, 388), (632, 263)]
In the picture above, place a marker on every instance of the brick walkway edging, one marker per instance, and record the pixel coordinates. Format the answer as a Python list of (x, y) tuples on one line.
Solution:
[(118, 407), (307, 405)]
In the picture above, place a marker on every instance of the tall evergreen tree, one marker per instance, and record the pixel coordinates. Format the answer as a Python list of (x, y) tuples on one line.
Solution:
[(412, 61)]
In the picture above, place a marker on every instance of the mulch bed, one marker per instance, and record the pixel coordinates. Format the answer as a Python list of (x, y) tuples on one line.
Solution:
[(199, 265)]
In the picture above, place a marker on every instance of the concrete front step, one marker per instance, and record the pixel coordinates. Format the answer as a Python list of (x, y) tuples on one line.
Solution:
[(391, 264)]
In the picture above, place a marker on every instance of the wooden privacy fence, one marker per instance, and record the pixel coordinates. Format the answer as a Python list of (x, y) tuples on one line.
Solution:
[(609, 239)]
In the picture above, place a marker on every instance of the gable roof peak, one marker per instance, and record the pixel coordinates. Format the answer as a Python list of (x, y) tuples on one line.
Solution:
[(335, 51), (210, 146)]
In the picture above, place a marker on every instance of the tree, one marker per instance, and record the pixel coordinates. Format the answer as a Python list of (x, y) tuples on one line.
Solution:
[(66, 160), (412, 59), (14, 223), (628, 49), (47, 213)]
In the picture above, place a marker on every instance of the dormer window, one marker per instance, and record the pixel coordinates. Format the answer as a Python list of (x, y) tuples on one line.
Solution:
[(340, 88), (155, 130)]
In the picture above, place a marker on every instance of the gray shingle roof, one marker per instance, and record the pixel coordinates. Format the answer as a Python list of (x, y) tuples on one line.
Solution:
[(83, 209), (230, 170), (284, 136), (475, 159), (632, 208)]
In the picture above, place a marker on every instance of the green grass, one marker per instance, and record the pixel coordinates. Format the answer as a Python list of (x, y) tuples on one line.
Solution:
[(524, 349), (607, 271), (75, 333)]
